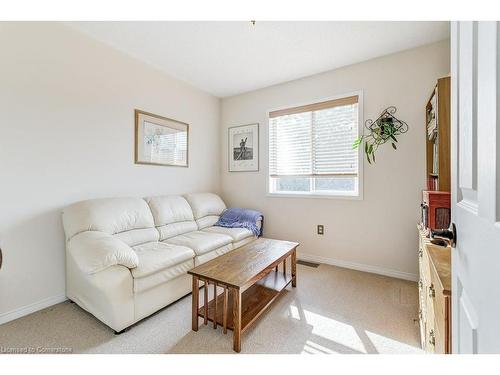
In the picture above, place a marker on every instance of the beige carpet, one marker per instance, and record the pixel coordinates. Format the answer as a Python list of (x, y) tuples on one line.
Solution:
[(333, 310)]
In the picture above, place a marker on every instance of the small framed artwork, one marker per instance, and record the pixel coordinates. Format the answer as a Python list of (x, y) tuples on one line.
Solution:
[(244, 148), (160, 140)]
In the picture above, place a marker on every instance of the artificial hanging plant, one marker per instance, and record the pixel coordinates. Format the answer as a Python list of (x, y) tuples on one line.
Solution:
[(386, 128)]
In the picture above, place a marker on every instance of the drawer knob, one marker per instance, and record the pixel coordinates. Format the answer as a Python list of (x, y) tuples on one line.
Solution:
[(420, 284), (420, 253), (432, 291), (432, 337)]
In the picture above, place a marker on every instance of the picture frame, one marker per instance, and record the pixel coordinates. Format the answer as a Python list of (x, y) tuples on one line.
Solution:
[(160, 140), (243, 148)]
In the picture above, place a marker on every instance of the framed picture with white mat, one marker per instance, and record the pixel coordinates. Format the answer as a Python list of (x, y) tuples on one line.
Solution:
[(243, 153)]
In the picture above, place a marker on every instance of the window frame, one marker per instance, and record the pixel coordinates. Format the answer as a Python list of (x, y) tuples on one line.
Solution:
[(312, 194)]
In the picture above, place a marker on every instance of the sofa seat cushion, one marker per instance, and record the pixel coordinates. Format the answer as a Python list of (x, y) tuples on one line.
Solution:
[(163, 276), (243, 242), (159, 263), (237, 234), (200, 259), (201, 242), (176, 229), (157, 256)]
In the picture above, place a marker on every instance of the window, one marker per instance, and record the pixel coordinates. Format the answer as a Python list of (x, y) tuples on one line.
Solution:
[(310, 149)]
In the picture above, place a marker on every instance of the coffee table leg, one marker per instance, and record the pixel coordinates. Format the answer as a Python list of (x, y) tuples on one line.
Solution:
[(224, 311), (294, 268), (205, 301), (236, 319), (196, 296), (215, 305)]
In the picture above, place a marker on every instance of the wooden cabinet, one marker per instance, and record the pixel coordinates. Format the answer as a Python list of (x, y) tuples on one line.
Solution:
[(434, 287)]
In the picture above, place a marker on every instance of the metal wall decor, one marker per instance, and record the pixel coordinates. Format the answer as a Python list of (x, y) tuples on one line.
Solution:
[(386, 128)]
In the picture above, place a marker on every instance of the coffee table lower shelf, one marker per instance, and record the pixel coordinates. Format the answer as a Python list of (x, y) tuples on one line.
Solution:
[(254, 300)]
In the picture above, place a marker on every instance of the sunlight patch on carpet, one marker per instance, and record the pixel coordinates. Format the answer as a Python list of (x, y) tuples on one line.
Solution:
[(342, 336)]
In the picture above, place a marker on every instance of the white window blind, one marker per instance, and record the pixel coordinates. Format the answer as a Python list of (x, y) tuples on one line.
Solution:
[(314, 140)]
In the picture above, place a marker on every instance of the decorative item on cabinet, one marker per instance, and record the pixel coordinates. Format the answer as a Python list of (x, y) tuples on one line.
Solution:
[(435, 208)]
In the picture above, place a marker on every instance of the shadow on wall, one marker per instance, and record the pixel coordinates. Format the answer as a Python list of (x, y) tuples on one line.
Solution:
[(34, 259)]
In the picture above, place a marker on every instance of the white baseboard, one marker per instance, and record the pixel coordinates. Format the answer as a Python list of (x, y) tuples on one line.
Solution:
[(26, 310), (358, 266)]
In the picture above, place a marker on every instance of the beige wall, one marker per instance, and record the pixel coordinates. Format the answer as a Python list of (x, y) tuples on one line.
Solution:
[(67, 134), (66, 104), (377, 233)]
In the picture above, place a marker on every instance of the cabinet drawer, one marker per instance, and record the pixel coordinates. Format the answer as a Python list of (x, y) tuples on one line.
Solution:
[(440, 302)]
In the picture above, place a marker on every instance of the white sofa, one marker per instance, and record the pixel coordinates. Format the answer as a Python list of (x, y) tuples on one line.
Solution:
[(128, 257)]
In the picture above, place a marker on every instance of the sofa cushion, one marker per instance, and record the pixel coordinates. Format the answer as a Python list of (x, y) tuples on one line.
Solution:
[(201, 242), (243, 242), (156, 256), (172, 215), (136, 237), (163, 276), (205, 204), (159, 263), (108, 215), (212, 254), (237, 234), (207, 221), (169, 209), (175, 229)]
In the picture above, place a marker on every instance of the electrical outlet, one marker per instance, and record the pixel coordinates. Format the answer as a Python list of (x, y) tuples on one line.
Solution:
[(321, 229)]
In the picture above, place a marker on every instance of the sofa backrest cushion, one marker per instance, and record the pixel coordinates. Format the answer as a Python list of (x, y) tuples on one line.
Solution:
[(130, 219), (172, 215), (206, 207)]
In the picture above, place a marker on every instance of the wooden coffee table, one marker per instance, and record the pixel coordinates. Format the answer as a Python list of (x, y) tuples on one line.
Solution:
[(250, 280)]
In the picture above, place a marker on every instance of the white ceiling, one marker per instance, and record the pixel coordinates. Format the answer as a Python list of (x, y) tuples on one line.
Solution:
[(229, 58)]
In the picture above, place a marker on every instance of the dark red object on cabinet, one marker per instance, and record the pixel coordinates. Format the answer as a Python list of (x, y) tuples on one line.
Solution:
[(436, 209)]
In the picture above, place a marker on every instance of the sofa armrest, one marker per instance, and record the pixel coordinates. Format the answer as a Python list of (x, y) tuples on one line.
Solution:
[(95, 251)]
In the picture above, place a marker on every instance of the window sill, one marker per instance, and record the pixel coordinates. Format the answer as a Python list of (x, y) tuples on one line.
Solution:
[(357, 197)]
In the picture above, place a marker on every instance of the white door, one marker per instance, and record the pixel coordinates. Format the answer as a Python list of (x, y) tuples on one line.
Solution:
[(475, 71)]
